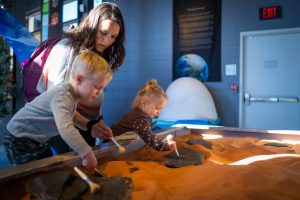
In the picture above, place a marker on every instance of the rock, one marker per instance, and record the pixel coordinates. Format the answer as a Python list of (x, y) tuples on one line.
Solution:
[(187, 157), (274, 144), (56, 185), (115, 187), (201, 142), (133, 169), (66, 186)]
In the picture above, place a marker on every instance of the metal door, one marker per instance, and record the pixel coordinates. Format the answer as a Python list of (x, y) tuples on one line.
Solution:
[(270, 79)]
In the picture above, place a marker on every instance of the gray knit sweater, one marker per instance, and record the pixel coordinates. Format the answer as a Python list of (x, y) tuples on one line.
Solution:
[(48, 115)]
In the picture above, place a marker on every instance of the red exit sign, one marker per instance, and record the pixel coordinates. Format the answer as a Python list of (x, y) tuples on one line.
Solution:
[(270, 12)]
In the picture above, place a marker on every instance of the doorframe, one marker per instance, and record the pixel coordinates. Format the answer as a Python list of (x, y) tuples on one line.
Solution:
[(243, 37)]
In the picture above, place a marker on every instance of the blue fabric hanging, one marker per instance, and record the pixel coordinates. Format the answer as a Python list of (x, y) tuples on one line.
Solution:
[(17, 36)]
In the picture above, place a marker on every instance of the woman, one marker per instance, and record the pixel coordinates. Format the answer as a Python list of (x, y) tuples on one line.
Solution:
[(103, 32)]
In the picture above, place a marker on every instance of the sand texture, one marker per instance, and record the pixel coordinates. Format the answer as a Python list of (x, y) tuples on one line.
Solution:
[(232, 168), (218, 177)]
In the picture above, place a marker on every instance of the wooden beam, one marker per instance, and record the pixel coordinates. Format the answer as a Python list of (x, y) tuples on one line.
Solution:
[(71, 159)]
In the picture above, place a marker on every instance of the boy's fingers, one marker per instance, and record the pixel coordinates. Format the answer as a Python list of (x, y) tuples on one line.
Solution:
[(101, 129), (105, 131)]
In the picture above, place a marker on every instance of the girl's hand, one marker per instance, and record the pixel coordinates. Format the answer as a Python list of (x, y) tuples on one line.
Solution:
[(89, 161), (172, 145), (169, 145), (170, 142)]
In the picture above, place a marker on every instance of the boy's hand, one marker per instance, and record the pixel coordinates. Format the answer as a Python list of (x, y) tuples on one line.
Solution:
[(89, 161), (101, 130)]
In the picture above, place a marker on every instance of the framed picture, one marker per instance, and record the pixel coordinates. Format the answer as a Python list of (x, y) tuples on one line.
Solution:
[(196, 39)]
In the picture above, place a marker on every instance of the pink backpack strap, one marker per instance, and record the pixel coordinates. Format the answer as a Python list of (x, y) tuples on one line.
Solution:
[(33, 68)]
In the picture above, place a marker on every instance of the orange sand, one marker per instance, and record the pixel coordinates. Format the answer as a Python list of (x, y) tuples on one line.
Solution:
[(277, 178)]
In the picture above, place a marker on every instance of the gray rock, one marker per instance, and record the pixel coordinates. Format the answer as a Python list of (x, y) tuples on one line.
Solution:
[(274, 144), (201, 142), (66, 186), (112, 188), (187, 157), (56, 185)]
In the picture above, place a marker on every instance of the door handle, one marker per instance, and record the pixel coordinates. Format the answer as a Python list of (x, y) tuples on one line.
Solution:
[(248, 99), (288, 99)]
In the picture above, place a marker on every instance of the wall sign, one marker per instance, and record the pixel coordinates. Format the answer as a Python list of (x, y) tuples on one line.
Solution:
[(196, 39), (270, 12)]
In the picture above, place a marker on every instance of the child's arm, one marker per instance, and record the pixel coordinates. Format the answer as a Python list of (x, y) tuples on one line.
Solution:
[(63, 109), (142, 127)]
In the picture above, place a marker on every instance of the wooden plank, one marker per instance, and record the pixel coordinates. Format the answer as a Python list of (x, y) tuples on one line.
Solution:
[(72, 159)]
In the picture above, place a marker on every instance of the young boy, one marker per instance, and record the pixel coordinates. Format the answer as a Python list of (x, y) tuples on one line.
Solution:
[(147, 104), (52, 113)]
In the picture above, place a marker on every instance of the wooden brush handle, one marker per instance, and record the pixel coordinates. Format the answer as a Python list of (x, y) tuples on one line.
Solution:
[(115, 141), (83, 175), (94, 187)]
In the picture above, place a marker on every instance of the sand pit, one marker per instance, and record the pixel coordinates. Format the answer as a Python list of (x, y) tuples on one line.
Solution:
[(217, 178), (233, 168)]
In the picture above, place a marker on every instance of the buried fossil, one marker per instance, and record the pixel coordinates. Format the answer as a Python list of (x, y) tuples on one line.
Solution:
[(65, 185), (187, 157)]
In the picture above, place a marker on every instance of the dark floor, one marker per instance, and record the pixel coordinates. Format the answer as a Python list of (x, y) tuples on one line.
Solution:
[(3, 159)]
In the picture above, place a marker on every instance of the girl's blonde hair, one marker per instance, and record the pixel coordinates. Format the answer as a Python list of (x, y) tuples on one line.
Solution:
[(148, 91), (89, 63)]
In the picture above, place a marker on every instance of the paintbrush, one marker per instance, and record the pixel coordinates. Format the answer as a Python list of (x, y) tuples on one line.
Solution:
[(176, 151), (121, 149), (153, 123), (98, 172), (169, 139), (94, 187)]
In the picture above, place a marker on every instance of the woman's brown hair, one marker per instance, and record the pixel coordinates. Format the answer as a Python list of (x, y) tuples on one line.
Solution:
[(84, 35)]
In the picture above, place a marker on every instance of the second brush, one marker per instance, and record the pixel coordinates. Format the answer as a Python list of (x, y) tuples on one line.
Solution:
[(121, 149)]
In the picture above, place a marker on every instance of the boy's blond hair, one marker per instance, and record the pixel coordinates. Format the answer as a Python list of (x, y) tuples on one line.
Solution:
[(89, 64), (148, 91)]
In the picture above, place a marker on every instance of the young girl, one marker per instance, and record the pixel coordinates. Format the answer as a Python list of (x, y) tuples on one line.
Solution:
[(51, 114), (147, 104)]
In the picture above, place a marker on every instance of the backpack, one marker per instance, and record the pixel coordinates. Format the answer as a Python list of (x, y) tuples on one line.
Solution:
[(33, 68)]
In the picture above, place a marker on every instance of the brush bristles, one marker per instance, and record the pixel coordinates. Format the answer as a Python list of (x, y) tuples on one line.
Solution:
[(94, 188), (122, 149)]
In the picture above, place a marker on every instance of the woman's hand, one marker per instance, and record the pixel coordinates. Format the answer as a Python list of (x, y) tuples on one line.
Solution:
[(89, 161), (101, 130)]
